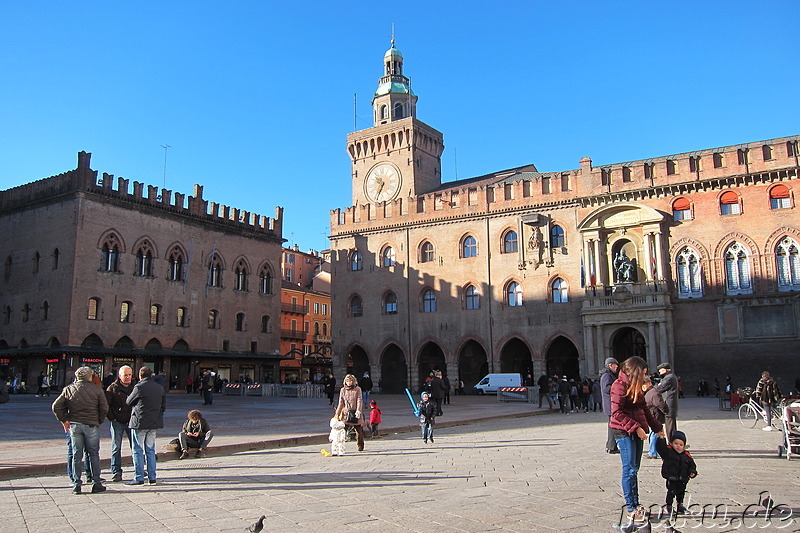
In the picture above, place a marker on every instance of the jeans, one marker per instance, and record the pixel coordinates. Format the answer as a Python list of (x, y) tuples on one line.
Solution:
[(194, 442), (144, 447), (653, 438), (630, 452), (70, 458), (208, 397), (85, 439), (118, 430), (427, 431)]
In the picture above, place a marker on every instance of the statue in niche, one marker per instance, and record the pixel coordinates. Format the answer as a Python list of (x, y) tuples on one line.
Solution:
[(623, 266), (535, 245)]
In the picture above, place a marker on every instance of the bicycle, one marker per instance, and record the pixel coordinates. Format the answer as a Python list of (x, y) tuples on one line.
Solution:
[(751, 412)]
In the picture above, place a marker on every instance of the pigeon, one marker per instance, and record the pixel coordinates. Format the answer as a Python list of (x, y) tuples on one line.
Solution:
[(325, 453), (257, 526)]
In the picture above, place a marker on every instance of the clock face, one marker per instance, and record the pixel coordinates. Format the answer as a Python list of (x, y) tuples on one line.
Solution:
[(382, 183)]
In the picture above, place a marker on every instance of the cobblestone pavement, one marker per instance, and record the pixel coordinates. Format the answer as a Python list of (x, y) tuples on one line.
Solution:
[(535, 473)]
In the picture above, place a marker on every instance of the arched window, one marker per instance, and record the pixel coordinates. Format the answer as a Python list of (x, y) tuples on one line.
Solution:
[(110, 254), (356, 261), (560, 291), (690, 282), (7, 315), (729, 204), (779, 197), (265, 281), (390, 303), (316, 328), (557, 239), (176, 262), (264, 324), (26, 312), (239, 321), (398, 110), (737, 270), (181, 317), (215, 271), (384, 112), (681, 209), (469, 247), (240, 275), (472, 299), (356, 306), (428, 301), (426, 252), (36, 259), (213, 319), (514, 294), (56, 254), (510, 242), (155, 314), (325, 329), (126, 312), (93, 312), (144, 260), (45, 310), (388, 257), (788, 265)]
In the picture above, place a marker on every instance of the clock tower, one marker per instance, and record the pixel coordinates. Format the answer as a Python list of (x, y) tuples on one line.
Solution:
[(399, 156)]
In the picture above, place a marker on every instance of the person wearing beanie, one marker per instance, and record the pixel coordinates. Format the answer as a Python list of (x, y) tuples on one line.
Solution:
[(81, 408), (677, 468), (427, 416), (374, 418), (668, 387), (608, 376)]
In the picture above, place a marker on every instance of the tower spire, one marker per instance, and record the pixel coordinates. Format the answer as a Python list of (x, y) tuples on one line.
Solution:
[(394, 99)]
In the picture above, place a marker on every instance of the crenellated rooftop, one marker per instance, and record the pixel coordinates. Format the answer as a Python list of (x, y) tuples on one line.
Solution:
[(84, 179), (525, 187)]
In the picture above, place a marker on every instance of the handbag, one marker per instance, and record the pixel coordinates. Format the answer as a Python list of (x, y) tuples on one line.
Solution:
[(351, 417)]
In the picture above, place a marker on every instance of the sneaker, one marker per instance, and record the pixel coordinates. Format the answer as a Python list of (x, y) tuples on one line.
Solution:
[(681, 509), (667, 510), (425, 441), (76, 489), (431, 440), (117, 478), (97, 487), (134, 482), (767, 428), (184, 455), (152, 482), (199, 453)]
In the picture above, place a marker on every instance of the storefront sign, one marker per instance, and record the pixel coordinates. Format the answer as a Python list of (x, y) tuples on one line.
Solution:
[(85, 360), (5, 361), (52, 360)]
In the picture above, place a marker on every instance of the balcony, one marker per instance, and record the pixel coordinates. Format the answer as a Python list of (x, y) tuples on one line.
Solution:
[(294, 334), (294, 308), (322, 339), (625, 296)]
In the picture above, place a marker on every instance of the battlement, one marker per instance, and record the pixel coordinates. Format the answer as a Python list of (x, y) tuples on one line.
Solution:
[(523, 188), (84, 179)]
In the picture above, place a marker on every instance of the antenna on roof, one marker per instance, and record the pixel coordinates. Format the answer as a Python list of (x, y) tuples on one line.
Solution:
[(392, 33), (355, 126), (165, 147)]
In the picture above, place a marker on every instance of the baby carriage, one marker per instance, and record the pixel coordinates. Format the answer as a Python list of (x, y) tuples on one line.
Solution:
[(791, 431)]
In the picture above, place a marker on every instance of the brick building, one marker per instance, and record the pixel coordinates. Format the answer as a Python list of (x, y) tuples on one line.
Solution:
[(690, 258), (98, 273), (305, 316)]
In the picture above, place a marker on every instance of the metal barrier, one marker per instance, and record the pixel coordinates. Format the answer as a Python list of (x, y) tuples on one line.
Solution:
[(253, 390), (233, 389), (516, 394)]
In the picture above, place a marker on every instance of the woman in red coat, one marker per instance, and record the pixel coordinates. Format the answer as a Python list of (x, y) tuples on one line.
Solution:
[(630, 422)]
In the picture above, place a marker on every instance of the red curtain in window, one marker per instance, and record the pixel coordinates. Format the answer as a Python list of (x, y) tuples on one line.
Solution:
[(779, 191), (729, 198), (681, 204)]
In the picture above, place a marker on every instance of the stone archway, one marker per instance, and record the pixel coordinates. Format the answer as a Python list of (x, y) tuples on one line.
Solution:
[(431, 358), (357, 361), (516, 357), (563, 359), (472, 365), (627, 342), (394, 370)]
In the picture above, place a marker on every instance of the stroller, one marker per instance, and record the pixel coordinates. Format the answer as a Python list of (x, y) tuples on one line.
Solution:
[(791, 431)]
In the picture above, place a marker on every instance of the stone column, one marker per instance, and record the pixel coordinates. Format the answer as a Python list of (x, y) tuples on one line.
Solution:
[(598, 270), (588, 348), (648, 262), (662, 342), (586, 269), (659, 259), (601, 352), (652, 361)]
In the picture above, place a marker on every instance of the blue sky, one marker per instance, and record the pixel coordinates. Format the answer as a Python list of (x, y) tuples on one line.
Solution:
[(256, 98)]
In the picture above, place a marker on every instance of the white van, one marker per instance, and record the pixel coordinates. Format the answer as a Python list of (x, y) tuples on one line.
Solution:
[(490, 383)]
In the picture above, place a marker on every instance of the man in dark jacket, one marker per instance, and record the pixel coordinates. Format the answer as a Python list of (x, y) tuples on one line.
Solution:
[(544, 389), (607, 377), (81, 408), (437, 391), (147, 416), (207, 387), (668, 387), (366, 387), (119, 412)]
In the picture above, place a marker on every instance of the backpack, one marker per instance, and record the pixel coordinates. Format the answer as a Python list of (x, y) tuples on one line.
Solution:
[(586, 389)]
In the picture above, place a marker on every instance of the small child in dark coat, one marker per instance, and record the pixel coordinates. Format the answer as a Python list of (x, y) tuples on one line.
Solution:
[(677, 468)]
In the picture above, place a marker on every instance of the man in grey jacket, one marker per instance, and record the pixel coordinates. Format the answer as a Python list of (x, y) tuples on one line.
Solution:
[(81, 408), (147, 417), (607, 377), (668, 387)]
